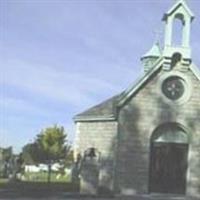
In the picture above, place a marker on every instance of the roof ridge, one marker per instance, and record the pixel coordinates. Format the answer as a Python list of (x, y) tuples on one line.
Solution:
[(134, 87)]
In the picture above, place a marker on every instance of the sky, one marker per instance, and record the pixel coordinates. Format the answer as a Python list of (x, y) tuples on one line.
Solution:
[(60, 57)]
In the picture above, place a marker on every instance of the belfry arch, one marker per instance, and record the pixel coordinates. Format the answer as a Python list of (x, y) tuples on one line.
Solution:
[(178, 21), (169, 159), (184, 32), (178, 30)]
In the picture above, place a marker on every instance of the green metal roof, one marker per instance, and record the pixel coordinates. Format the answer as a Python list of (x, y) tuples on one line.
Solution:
[(155, 51)]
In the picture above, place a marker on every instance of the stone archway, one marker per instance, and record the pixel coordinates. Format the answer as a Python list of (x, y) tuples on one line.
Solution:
[(169, 158)]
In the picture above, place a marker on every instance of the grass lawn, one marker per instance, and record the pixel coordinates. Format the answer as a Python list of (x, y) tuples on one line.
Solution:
[(36, 184), (42, 177), (36, 189), (3, 180)]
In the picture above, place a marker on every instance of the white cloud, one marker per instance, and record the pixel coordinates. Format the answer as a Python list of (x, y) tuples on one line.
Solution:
[(15, 105), (72, 88)]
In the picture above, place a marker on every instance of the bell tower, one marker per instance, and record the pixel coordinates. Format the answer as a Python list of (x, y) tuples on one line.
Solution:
[(181, 52)]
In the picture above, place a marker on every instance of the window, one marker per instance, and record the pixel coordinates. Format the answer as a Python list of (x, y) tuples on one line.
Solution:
[(173, 87)]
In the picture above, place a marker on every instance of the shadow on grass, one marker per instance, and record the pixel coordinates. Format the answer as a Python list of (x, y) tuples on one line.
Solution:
[(33, 190), (37, 189)]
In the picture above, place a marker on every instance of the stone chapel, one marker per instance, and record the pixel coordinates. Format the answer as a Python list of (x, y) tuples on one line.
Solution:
[(146, 140)]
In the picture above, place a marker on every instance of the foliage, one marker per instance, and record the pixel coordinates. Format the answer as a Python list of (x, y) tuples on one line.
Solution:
[(6, 157), (7, 154), (50, 146), (31, 153), (19, 161), (69, 159)]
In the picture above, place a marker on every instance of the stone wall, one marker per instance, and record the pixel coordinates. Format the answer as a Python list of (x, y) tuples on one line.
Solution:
[(102, 136), (140, 116)]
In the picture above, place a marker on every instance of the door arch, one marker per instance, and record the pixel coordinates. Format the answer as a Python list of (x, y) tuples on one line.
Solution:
[(168, 160)]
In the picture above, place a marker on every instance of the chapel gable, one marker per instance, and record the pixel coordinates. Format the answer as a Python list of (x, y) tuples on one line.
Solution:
[(146, 139)]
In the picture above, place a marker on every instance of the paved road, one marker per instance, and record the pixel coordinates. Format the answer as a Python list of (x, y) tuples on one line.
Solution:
[(9, 195), (90, 198), (68, 198)]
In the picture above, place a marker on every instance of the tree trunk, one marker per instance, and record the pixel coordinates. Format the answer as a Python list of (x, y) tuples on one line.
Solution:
[(49, 173)]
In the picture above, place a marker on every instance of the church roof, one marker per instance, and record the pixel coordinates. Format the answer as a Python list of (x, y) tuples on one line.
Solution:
[(107, 110), (103, 111), (155, 51), (129, 93)]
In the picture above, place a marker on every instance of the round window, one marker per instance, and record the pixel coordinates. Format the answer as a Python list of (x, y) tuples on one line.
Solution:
[(173, 87)]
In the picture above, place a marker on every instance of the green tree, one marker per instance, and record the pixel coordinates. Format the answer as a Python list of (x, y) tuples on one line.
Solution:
[(50, 146), (6, 158), (31, 154)]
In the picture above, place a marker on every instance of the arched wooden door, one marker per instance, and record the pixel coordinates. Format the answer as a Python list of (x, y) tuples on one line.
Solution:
[(169, 158)]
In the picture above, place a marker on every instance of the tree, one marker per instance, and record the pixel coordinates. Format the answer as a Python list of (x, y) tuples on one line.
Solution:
[(49, 147), (17, 167), (5, 162), (31, 154)]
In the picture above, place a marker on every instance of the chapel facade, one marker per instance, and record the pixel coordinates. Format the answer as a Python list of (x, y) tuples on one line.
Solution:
[(146, 140)]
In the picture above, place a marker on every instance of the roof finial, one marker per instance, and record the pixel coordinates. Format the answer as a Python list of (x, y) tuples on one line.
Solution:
[(158, 34)]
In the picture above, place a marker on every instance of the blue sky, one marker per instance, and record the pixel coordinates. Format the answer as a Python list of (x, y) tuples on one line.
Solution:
[(57, 58)]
